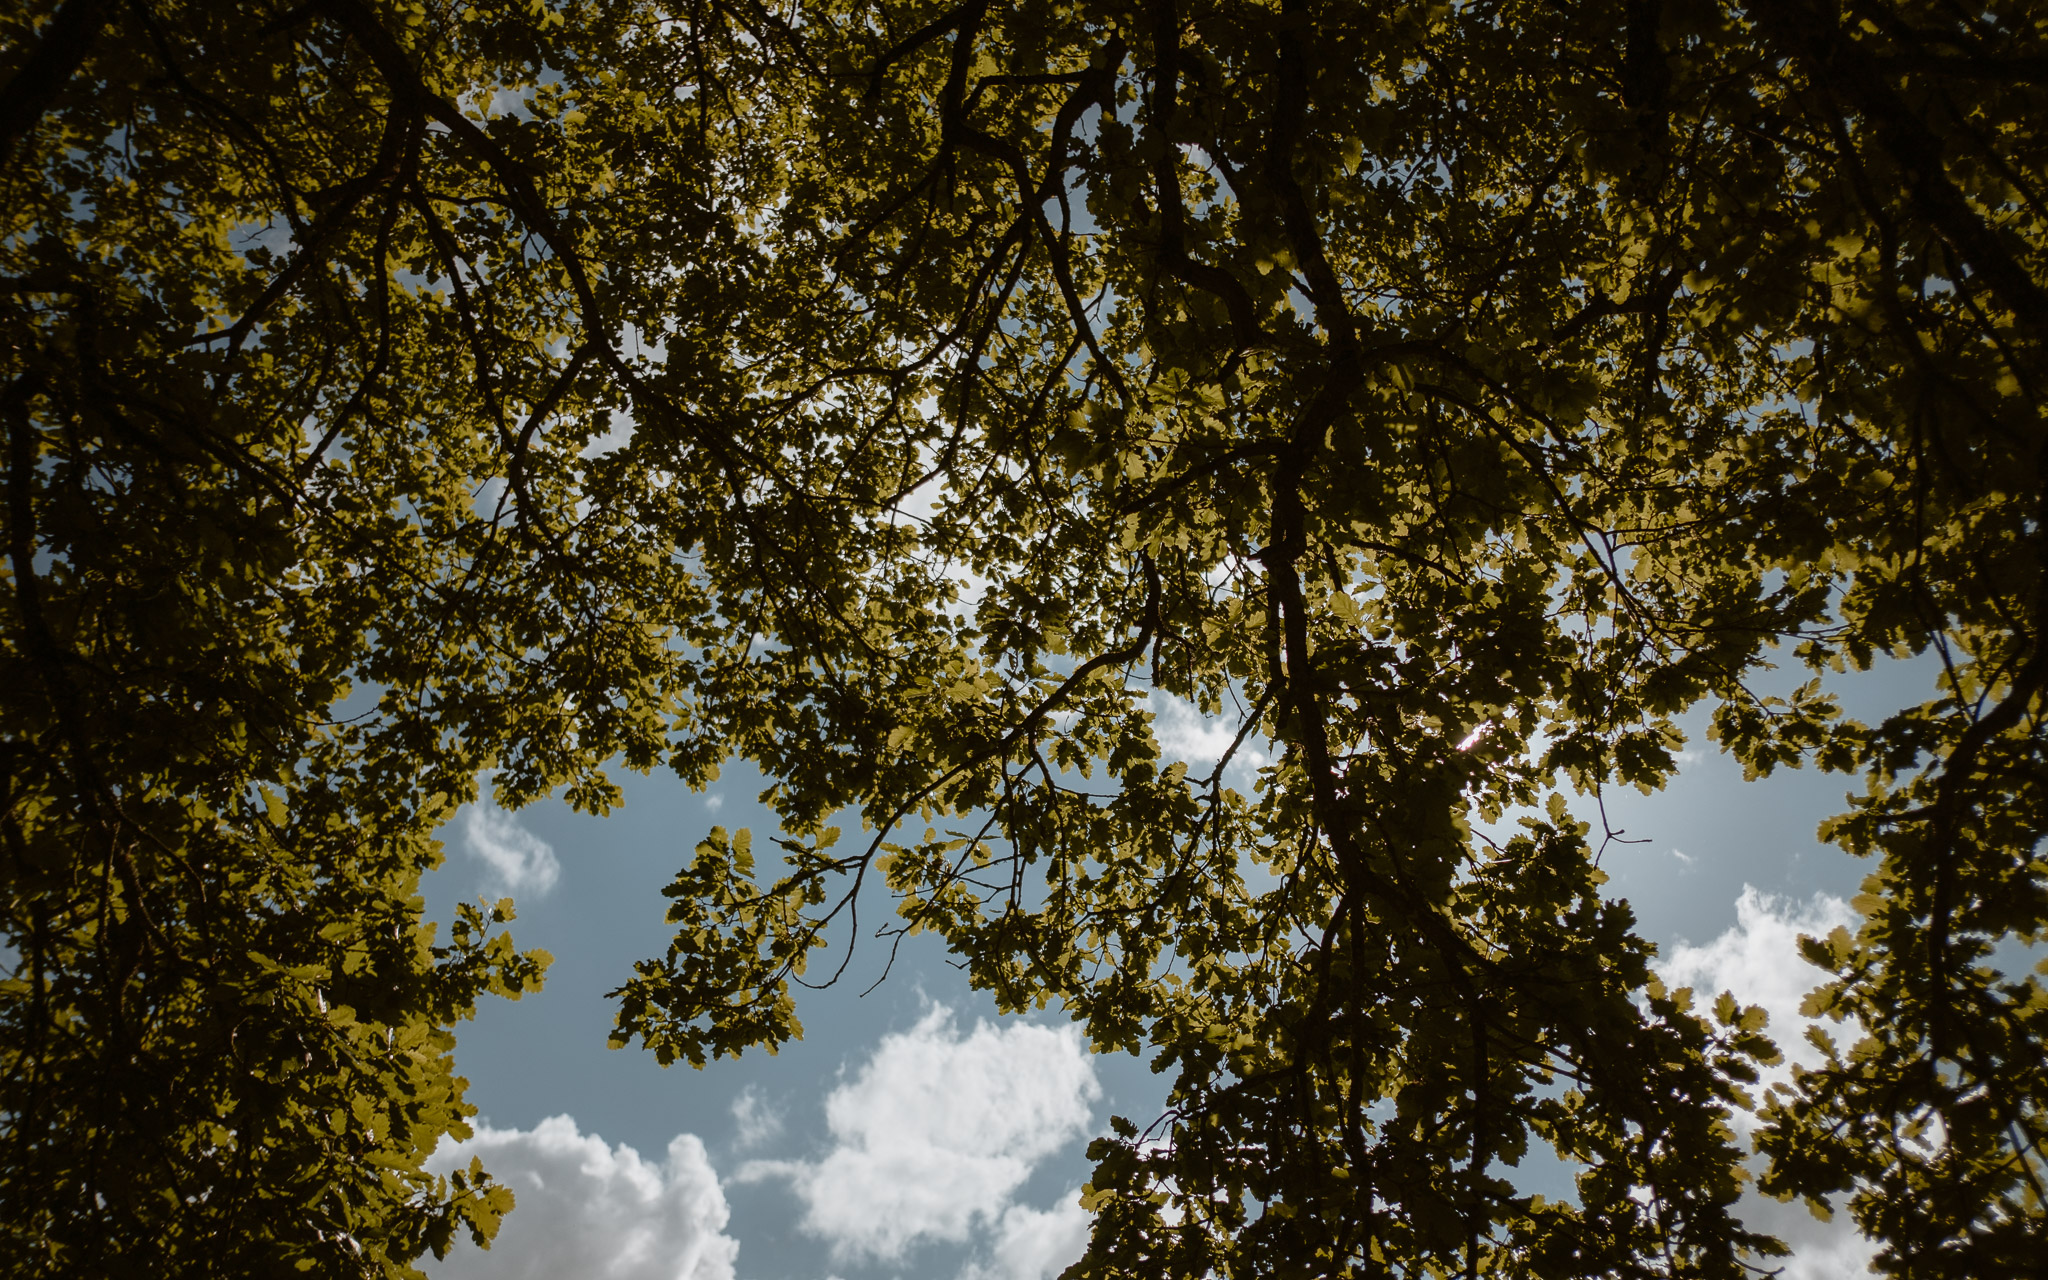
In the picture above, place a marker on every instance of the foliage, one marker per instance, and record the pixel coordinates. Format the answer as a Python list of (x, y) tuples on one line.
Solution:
[(290, 560), (1449, 396)]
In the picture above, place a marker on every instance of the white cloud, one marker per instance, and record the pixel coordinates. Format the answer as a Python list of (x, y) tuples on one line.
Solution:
[(937, 1132), (1759, 961), (517, 862), (587, 1209), (1029, 1244), (618, 433), (755, 1120), (1184, 733)]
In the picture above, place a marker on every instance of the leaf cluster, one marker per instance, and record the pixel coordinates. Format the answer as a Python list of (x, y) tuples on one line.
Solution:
[(917, 401)]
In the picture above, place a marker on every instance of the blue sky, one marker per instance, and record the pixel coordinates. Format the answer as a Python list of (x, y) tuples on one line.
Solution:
[(912, 1133)]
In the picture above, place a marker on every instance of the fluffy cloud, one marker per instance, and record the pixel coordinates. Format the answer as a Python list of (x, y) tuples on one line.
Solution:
[(755, 1120), (588, 1209), (517, 862), (1030, 1244), (1758, 960), (617, 434), (1184, 733), (937, 1132)]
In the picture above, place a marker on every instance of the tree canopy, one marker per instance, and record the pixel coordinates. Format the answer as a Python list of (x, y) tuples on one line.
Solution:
[(903, 398)]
